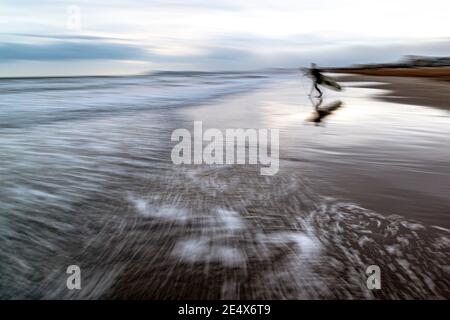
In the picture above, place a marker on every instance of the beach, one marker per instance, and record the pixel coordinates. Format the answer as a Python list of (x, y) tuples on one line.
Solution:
[(423, 88), (89, 181)]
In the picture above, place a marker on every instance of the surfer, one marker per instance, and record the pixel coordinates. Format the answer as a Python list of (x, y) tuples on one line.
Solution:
[(317, 79), (321, 80)]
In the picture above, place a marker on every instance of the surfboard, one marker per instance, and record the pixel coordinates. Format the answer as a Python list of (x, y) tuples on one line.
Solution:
[(330, 83)]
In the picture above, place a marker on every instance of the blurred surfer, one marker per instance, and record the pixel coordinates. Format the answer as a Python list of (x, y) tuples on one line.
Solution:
[(321, 80), (317, 79)]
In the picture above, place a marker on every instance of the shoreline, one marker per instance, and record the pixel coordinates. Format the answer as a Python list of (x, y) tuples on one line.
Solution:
[(422, 91), (438, 73)]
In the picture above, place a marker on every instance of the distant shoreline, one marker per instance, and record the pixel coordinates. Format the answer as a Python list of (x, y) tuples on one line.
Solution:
[(438, 73), (414, 86)]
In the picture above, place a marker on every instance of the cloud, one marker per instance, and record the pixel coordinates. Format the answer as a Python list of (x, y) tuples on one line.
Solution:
[(376, 53), (319, 50), (238, 57), (10, 51), (65, 37), (227, 53)]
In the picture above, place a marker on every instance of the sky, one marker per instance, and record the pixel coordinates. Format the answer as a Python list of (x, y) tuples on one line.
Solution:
[(108, 37)]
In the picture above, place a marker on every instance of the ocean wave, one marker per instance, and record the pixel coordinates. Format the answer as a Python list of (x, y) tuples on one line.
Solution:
[(30, 102), (170, 236)]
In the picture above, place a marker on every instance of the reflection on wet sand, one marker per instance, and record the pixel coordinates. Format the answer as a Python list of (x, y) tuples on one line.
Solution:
[(321, 112)]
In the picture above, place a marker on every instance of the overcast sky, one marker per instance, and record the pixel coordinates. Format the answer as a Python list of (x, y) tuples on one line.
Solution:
[(134, 36)]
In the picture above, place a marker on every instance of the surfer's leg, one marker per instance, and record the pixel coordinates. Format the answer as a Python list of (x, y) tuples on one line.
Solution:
[(318, 89), (312, 88)]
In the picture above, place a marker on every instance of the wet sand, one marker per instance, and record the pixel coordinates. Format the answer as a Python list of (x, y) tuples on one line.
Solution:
[(437, 73), (424, 91), (336, 206), (368, 185)]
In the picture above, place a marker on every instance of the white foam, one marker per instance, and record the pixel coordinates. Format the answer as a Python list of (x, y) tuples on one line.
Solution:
[(306, 244), (166, 212), (230, 220), (200, 250)]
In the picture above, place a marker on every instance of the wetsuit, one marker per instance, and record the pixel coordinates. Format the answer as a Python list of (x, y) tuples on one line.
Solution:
[(317, 78)]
